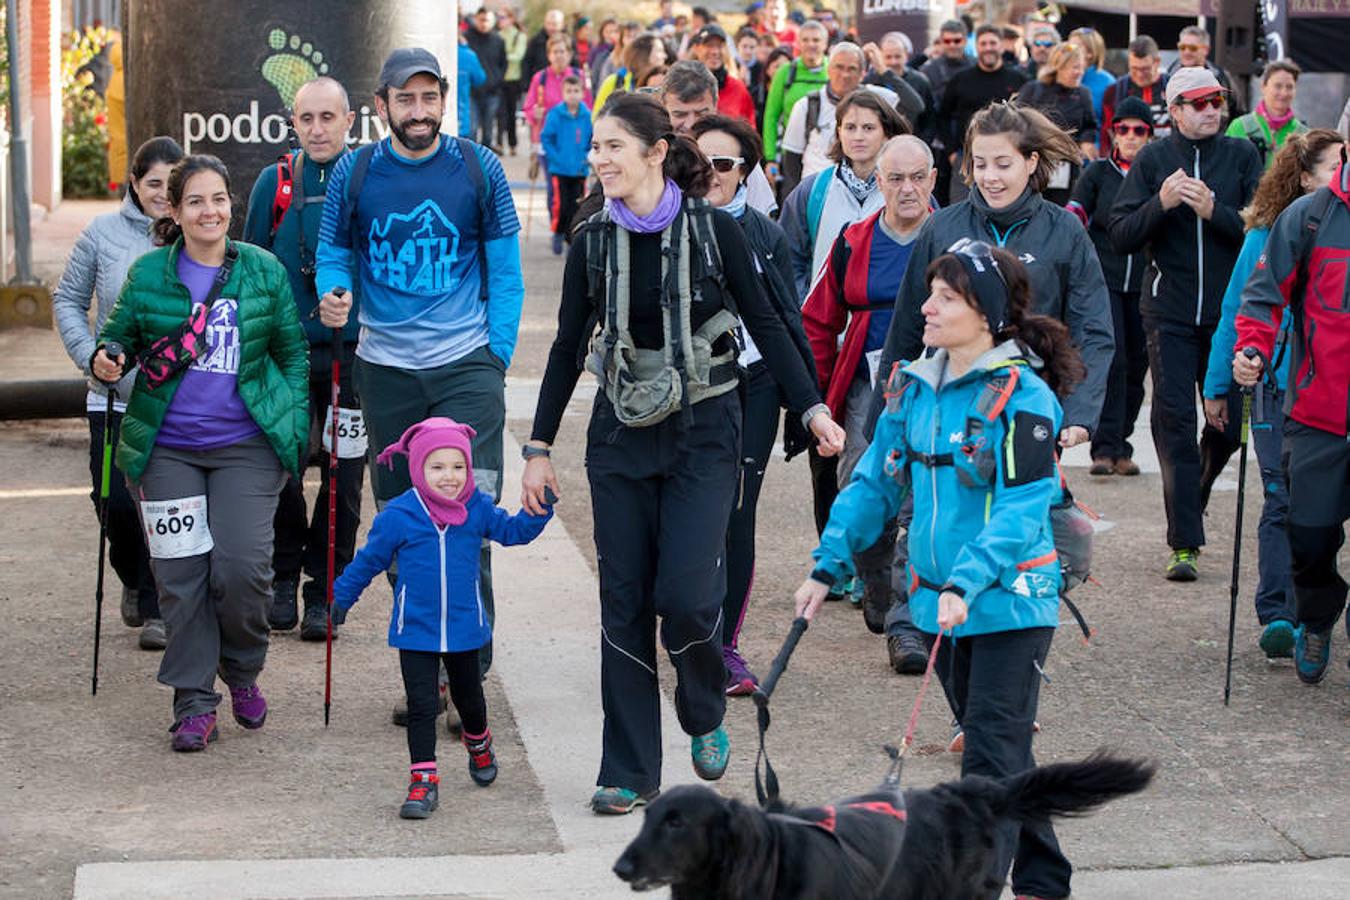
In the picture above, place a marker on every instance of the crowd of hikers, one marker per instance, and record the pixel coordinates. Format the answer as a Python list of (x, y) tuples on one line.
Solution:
[(947, 267)]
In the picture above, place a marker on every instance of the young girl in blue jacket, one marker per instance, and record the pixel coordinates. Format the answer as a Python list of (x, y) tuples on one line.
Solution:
[(432, 533), (970, 431)]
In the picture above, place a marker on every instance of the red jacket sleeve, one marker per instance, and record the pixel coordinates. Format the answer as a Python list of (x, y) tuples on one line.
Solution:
[(824, 315)]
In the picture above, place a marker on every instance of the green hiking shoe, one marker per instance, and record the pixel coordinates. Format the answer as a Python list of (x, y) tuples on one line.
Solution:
[(1182, 564), (617, 801), (1277, 639), (711, 752)]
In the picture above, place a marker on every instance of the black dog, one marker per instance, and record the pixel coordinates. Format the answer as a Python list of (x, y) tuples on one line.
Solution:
[(933, 844)]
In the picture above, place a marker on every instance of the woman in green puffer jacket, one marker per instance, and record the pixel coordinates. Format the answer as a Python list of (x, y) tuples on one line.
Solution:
[(206, 451)]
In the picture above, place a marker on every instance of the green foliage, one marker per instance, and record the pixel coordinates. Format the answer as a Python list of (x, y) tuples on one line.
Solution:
[(84, 130)]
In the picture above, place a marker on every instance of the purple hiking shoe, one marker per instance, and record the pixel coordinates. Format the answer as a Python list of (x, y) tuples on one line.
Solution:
[(249, 705), (193, 733), (740, 680)]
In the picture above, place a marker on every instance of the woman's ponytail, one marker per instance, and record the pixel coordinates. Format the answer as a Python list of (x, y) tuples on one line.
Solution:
[(1044, 336), (687, 166)]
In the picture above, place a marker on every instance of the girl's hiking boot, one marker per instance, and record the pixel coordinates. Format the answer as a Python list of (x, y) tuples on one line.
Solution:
[(1277, 639), (711, 753), (1312, 654), (482, 761), (249, 706), (422, 795), (617, 801), (740, 680), (193, 733)]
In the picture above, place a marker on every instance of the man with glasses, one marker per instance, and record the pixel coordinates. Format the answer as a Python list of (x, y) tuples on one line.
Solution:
[(1193, 51), (1180, 200), (969, 91), (1042, 37), (854, 296), (1145, 81), (940, 69)]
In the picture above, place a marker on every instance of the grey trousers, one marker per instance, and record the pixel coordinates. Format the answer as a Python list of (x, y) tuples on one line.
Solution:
[(215, 603)]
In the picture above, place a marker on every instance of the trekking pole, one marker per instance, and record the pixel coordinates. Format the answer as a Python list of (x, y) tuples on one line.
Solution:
[(1250, 353), (112, 350), (335, 347)]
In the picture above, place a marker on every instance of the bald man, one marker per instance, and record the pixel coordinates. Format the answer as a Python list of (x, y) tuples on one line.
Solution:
[(854, 295), (283, 215)]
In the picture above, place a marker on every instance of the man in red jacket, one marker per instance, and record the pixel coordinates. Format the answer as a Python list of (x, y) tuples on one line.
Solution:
[(709, 46), (854, 295), (1303, 268)]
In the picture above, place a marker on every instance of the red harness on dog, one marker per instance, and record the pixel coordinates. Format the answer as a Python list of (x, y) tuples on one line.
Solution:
[(880, 807)]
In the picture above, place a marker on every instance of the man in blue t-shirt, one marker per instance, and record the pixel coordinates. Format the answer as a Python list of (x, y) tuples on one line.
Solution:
[(854, 295), (432, 236)]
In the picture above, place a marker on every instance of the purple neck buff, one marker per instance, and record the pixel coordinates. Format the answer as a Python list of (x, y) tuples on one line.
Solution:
[(658, 219)]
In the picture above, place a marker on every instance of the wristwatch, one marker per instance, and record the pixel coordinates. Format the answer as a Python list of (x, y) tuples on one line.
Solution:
[(529, 451)]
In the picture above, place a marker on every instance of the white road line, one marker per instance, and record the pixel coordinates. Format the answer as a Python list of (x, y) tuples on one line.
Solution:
[(43, 493)]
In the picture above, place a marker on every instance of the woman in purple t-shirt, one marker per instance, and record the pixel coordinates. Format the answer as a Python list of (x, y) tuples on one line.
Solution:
[(205, 450)]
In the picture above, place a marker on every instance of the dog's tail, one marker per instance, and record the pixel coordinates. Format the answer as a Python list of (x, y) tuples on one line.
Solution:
[(1073, 788)]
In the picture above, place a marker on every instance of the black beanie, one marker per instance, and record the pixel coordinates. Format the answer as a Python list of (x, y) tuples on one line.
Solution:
[(1133, 108)]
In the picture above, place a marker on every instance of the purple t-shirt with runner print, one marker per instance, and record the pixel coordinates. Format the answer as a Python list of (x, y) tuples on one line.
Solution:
[(207, 412)]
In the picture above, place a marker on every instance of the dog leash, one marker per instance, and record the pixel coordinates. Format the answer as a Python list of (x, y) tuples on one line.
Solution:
[(897, 755), (766, 791)]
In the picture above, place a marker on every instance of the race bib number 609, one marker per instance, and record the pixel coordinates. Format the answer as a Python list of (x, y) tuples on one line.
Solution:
[(176, 529)]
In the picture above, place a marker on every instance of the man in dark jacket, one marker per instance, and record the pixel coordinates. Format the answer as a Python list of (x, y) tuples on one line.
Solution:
[(1181, 201), (490, 49), (887, 59), (283, 216), (1292, 271), (969, 91), (536, 51), (1145, 81)]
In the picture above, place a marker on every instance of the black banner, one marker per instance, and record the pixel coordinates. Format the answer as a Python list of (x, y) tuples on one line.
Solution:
[(917, 18)]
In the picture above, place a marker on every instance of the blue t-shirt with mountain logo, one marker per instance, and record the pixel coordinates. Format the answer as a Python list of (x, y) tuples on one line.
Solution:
[(417, 231)]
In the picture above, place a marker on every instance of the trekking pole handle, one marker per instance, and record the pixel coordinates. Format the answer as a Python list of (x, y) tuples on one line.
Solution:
[(765, 689), (112, 350)]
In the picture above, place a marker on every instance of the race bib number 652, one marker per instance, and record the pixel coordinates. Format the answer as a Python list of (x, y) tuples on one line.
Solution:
[(176, 529), (351, 433)]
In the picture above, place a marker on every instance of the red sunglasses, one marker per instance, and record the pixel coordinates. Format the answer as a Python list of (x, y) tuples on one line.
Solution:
[(1213, 101), (1122, 129)]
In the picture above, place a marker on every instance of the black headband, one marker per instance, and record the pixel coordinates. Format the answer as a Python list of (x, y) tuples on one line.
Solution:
[(991, 290)]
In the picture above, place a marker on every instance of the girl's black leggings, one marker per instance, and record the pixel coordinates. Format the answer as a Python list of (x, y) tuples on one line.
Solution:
[(422, 683)]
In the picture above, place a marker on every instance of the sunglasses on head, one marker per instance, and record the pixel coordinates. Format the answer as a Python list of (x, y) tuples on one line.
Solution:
[(725, 164), (1213, 101), (1122, 129)]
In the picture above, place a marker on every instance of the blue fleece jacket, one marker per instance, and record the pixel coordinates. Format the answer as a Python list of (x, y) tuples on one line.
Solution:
[(438, 603), (981, 524), (1219, 372), (566, 140), (415, 249), (471, 75)]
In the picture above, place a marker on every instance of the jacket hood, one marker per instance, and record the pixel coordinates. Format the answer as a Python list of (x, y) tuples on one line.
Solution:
[(929, 369), (1024, 207), (133, 213)]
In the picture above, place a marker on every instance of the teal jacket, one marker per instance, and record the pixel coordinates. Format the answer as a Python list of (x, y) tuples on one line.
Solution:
[(273, 354), (983, 482)]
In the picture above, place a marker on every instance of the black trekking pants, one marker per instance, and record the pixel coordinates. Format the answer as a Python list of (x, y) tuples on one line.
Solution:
[(1124, 381), (301, 541), (993, 688), (421, 682), (758, 429), (1317, 464), (660, 497), (126, 543), (1177, 357)]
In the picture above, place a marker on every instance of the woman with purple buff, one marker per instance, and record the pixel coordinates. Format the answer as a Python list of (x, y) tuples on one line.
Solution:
[(216, 419)]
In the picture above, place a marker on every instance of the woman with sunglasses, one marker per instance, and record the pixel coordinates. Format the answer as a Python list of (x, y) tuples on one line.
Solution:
[(1305, 163), (206, 447), (733, 148), (1010, 152), (663, 447), (1093, 197), (984, 576)]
